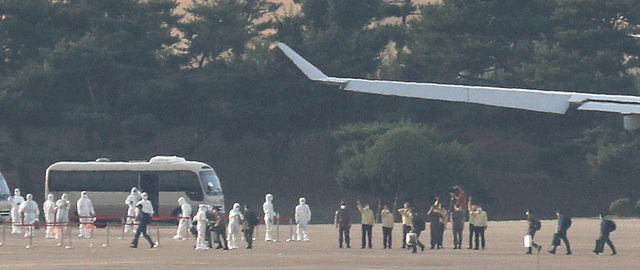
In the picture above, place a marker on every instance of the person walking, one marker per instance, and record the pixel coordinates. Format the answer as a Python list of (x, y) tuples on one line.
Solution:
[(62, 214), (480, 221), (145, 212), (533, 226), (342, 221), (250, 222), (387, 227), (564, 222), (234, 227), (367, 223), (407, 221), (219, 229), (606, 227), (457, 221), (417, 227), (184, 224)]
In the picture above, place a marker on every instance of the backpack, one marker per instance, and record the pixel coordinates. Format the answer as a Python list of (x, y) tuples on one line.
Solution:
[(610, 225), (566, 222), (536, 224), (419, 223)]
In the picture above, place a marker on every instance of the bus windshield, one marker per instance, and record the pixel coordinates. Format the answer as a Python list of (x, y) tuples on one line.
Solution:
[(210, 182)]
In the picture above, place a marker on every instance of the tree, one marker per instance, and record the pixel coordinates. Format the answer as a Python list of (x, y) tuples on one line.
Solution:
[(220, 30), (407, 160)]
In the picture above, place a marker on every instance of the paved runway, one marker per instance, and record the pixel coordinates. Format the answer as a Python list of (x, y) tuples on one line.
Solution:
[(504, 251)]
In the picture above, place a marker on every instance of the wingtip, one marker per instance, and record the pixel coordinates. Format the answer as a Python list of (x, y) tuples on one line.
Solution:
[(307, 68)]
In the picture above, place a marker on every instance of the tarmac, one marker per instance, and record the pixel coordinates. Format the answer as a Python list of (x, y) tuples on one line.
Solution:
[(504, 250)]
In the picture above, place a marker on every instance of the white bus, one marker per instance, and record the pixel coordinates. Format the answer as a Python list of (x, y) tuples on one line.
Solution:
[(163, 178)]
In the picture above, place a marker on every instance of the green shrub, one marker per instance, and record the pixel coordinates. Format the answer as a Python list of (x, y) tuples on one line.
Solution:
[(622, 207)]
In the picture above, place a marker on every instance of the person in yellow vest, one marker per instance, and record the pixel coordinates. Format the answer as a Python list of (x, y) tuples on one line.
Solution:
[(478, 218), (407, 221), (367, 223), (387, 226)]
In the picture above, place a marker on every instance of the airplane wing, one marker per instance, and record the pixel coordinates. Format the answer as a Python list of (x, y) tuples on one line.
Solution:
[(557, 102)]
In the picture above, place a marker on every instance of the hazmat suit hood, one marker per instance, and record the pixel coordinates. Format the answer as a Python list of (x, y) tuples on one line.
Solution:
[(202, 207), (182, 201), (50, 197), (236, 206), (268, 197), (16, 192), (134, 191), (302, 201), (145, 195), (64, 196), (83, 194), (29, 197)]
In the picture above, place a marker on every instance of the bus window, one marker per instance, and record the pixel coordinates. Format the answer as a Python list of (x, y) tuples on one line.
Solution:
[(181, 181), (211, 183)]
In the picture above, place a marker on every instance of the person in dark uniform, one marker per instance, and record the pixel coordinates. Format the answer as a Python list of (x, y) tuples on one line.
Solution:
[(564, 222), (606, 227), (219, 229), (534, 226), (250, 222), (143, 220), (434, 226), (417, 227), (457, 221), (343, 223)]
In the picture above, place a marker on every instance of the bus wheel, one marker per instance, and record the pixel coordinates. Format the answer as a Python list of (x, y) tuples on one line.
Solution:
[(176, 213)]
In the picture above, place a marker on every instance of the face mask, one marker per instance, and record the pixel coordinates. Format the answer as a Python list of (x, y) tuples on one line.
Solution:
[(343, 206)]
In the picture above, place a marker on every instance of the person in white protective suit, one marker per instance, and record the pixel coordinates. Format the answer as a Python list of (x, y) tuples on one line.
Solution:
[(62, 213), (269, 217), (49, 209), (15, 202), (131, 202), (85, 214), (185, 223), (201, 221), (30, 212), (303, 217), (235, 226)]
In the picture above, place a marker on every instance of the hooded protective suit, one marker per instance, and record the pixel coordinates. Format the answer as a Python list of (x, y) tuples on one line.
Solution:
[(15, 202), (131, 202), (303, 216), (86, 213), (49, 209), (62, 212), (184, 224), (201, 219), (30, 211), (235, 226), (269, 217)]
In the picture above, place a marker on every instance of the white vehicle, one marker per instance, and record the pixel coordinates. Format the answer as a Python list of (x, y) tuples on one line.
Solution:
[(5, 206), (163, 178)]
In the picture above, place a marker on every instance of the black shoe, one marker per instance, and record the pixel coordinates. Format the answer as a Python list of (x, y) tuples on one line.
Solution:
[(370, 247), (249, 247), (596, 252), (133, 246), (469, 248), (551, 251), (154, 246), (218, 247), (614, 253), (529, 252), (539, 248), (569, 253), (225, 248), (414, 251), (340, 246), (422, 248), (348, 246), (362, 247)]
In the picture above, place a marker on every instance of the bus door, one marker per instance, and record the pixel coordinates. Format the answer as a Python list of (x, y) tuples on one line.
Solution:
[(148, 182)]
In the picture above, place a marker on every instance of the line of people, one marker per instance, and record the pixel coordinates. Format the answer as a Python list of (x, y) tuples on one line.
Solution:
[(560, 234), (26, 212)]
